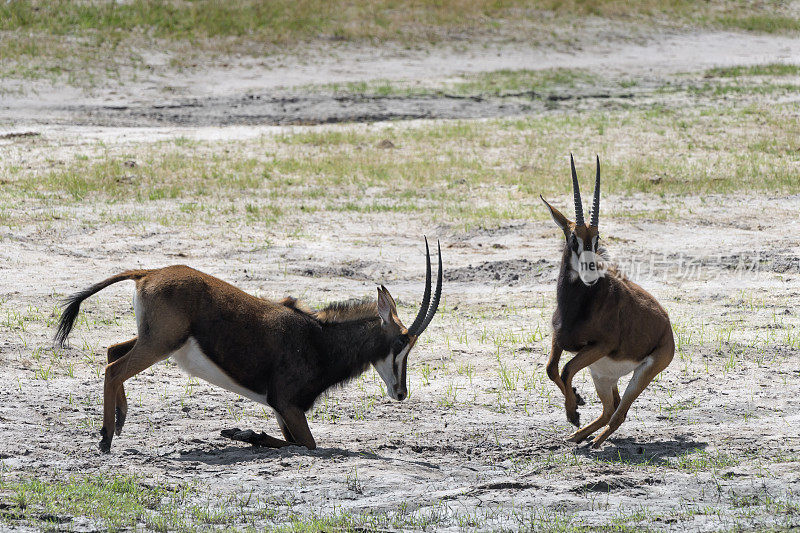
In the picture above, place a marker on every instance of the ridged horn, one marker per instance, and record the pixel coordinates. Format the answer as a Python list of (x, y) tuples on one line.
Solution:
[(426, 298), (576, 191), (595, 218), (436, 295)]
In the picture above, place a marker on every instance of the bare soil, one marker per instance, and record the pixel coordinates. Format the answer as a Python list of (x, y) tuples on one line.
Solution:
[(712, 445), (270, 91)]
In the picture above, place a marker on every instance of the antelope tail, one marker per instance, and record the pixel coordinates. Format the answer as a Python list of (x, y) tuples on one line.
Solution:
[(73, 303)]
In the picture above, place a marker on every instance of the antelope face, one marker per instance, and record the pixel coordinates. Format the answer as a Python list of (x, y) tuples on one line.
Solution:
[(583, 243), (392, 367), (582, 239)]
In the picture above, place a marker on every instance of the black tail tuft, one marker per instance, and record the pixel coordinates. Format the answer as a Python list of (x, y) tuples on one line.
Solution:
[(73, 302), (69, 315)]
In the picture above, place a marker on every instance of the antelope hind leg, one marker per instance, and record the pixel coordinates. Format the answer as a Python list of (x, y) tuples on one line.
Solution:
[(642, 376), (115, 351), (142, 356)]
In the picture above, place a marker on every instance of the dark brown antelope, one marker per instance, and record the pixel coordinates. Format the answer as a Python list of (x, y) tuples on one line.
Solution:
[(612, 325), (276, 353)]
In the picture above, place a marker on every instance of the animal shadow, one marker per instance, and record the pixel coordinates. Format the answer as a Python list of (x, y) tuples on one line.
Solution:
[(243, 453), (632, 451)]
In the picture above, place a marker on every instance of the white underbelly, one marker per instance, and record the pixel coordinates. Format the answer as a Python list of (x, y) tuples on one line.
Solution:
[(191, 359), (608, 368)]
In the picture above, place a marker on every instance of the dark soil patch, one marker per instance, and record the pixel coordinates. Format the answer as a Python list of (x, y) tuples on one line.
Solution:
[(509, 272), (357, 269), (309, 109)]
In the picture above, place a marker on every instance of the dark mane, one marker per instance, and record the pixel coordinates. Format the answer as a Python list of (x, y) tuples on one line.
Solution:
[(293, 303), (348, 311)]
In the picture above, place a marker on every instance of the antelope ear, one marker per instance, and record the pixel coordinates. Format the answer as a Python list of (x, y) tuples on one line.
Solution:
[(562, 221), (386, 305)]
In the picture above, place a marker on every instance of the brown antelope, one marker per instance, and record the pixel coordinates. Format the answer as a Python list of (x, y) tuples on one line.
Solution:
[(280, 354), (611, 324)]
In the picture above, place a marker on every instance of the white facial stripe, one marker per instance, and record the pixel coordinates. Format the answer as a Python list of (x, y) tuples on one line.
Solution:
[(586, 264), (385, 368), (401, 357), (390, 368)]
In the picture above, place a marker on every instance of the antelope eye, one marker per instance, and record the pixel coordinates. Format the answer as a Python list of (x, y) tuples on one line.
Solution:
[(573, 242), (398, 345)]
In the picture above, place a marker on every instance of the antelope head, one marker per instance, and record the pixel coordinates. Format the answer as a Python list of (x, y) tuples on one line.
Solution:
[(392, 367), (582, 239)]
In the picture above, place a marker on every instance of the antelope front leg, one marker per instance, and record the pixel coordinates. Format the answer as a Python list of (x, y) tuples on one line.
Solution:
[(552, 366), (582, 359), (552, 371), (294, 427), (255, 439), (297, 425), (284, 428), (605, 391)]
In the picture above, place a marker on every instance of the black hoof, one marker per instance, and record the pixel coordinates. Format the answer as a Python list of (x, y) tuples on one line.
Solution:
[(120, 421), (574, 419), (105, 442), (230, 433), (248, 435), (578, 398)]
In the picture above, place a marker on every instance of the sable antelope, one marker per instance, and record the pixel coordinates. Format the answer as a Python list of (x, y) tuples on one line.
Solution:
[(612, 325), (280, 354)]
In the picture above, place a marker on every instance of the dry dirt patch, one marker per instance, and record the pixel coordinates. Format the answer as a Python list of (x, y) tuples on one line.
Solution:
[(712, 445), (481, 436)]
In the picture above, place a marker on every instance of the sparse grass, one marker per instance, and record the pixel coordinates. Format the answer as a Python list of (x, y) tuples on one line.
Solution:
[(499, 83), (118, 503), (285, 21), (114, 502), (479, 358), (761, 23), (478, 171), (768, 69), (83, 42), (704, 461)]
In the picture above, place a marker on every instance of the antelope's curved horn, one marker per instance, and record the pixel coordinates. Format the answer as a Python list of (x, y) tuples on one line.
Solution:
[(595, 219), (436, 295), (426, 298), (576, 191)]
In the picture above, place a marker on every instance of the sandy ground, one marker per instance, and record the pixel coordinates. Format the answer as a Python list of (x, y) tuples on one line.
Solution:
[(480, 442), (462, 445), (269, 91)]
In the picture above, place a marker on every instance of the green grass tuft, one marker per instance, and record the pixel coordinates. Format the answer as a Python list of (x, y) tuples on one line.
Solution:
[(768, 69)]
